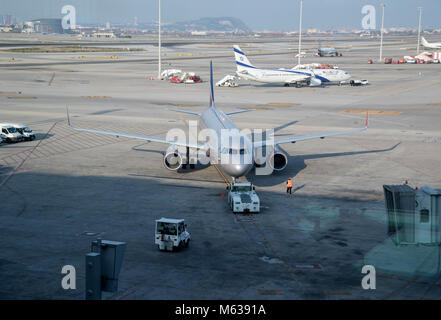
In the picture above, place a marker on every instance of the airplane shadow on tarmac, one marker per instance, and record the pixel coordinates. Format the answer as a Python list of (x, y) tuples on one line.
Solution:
[(297, 164)]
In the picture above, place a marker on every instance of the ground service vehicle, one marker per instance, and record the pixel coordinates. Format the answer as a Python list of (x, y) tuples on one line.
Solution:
[(242, 197), (11, 134), (24, 131), (2, 137), (171, 234), (356, 83)]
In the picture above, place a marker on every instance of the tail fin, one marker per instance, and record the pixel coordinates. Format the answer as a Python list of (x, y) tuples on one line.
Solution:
[(242, 62), (424, 41), (211, 85)]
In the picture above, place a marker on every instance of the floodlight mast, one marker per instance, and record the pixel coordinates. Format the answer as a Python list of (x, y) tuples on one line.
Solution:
[(300, 31), (382, 28), (159, 39), (419, 29)]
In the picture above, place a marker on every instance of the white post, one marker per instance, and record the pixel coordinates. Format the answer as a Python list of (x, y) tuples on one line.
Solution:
[(300, 31), (382, 27), (419, 29), (159, 40)]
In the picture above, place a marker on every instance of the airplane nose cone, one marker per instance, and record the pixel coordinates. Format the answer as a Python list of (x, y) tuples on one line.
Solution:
[(237, 170)]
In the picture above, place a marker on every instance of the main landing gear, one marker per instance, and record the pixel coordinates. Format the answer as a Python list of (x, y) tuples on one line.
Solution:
[(187, 159)]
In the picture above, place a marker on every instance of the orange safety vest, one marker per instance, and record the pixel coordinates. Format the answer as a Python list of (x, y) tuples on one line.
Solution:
[(289, 183)]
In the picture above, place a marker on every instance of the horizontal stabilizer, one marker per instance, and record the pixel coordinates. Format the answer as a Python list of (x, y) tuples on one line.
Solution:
[(239, 111), (185, 111)]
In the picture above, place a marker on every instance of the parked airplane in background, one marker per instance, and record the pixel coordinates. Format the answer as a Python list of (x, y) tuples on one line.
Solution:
[(326, 52), (312, 77), (242, 147), (247, 71), (433, 45)]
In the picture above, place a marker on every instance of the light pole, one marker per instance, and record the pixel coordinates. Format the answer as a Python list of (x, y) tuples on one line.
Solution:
[(159, 39), (382, 27), (419, 29), (300, 31)]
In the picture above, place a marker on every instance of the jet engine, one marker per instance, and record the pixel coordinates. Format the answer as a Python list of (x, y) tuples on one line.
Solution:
[(314, 82), (278, 159), (172, 158)]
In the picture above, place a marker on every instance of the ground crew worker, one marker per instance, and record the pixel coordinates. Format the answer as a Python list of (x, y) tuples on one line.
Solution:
[(289, 186)]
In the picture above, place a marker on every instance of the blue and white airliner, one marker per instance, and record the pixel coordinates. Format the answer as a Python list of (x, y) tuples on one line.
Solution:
[(297, 77)]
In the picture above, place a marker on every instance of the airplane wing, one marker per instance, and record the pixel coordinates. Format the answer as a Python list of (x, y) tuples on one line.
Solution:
[(135, 136), (314, 136), (239, 111)]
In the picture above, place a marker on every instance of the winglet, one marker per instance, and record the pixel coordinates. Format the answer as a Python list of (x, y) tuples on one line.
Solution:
[(211, 84), (68, 118)]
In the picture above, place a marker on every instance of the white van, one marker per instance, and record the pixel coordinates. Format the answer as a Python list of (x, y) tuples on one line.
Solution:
[(11, 133), (2, 137), (24, 131)]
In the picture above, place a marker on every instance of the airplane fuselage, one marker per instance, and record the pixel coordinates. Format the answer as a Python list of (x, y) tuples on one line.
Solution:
[(292, 76), (273, 76), (240, 149)]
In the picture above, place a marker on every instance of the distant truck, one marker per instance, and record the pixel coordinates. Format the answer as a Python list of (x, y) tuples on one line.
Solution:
[(242, 197), (11, 134), (171, 234), (24, 131), (189, 77)]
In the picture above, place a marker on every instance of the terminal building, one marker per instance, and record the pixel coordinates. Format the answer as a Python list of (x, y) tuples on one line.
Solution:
[(47, 26)]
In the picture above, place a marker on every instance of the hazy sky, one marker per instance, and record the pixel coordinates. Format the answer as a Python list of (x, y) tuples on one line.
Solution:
[(282, 15)]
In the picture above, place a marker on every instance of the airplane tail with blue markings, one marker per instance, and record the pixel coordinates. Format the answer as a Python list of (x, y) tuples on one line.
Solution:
[(242, 62)]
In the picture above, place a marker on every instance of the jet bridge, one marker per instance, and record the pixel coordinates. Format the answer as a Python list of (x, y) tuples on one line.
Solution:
[(414, 215)]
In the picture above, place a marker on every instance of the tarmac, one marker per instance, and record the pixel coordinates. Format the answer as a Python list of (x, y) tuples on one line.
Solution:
[(67, 188)]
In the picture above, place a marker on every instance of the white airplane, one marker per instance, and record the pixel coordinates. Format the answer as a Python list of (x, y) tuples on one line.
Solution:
[(326, 52), (244, 151), (312, 77), (433, 45)]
